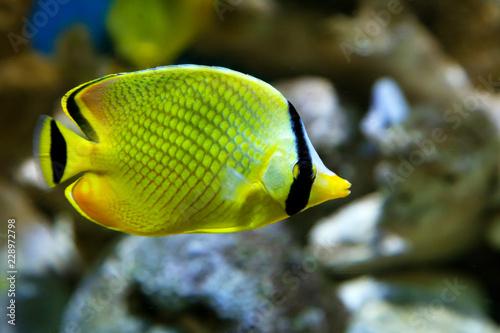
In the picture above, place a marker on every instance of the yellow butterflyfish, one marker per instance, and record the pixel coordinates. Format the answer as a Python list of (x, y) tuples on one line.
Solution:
[(183, 149)]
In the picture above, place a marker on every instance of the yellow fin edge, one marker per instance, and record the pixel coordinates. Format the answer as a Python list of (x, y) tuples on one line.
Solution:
[(41, 152)]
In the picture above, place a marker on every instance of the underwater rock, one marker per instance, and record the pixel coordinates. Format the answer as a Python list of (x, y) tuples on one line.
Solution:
[(45, 259), (451, 159), (415, 302), (13, 27), (432, 194), (385, 38), (205, 283), (351, 48), (350, 240), (469, 33), (48, 263)]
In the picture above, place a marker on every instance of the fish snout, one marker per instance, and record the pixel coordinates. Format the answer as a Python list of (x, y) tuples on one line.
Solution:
[(327, 187), (339, 187)]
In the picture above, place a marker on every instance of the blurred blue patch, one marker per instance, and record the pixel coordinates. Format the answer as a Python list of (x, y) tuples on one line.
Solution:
[(50, 19), (388, 107)]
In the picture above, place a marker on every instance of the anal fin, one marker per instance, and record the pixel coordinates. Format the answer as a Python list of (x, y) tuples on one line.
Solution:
[(93, 197)]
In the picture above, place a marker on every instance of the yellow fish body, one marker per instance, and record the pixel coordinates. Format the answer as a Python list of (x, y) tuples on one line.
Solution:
[(184, 149)]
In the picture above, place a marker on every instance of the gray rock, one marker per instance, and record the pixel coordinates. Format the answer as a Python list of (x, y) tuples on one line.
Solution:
[(353, 49), (351, 241), (475, 46), (415, 302), (204, 283)]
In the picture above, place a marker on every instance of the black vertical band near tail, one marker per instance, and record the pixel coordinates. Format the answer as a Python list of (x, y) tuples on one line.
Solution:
[(299, 193), (58, 152)]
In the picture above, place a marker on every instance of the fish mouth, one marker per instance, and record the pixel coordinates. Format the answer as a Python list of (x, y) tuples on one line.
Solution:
[(343, 187), (328, 187)]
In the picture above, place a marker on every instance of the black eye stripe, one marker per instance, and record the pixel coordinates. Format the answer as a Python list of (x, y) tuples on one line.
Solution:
[(305, 169), (299, 193), (300, 138)]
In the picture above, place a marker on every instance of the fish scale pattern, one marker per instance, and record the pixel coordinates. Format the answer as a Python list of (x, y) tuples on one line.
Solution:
[(174, 134)]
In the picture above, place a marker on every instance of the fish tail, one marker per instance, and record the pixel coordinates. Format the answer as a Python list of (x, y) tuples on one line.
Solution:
[(60, 152)]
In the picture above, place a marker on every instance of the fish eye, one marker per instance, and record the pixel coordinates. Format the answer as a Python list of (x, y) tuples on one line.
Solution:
[(296, 171), (302, 168)]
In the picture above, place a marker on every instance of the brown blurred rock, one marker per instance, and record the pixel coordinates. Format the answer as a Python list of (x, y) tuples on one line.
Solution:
[(77, 60), (467, 31), (28, 88), (13, 16), (379, 39)]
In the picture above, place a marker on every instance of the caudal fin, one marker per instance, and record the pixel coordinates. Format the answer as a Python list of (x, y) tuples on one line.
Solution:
[(60, 153)]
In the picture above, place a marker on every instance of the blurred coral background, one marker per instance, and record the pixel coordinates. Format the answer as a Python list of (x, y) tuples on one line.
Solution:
[(399, 97)]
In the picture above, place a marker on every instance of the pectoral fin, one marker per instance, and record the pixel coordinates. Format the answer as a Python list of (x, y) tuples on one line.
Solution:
[(234, 185)]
